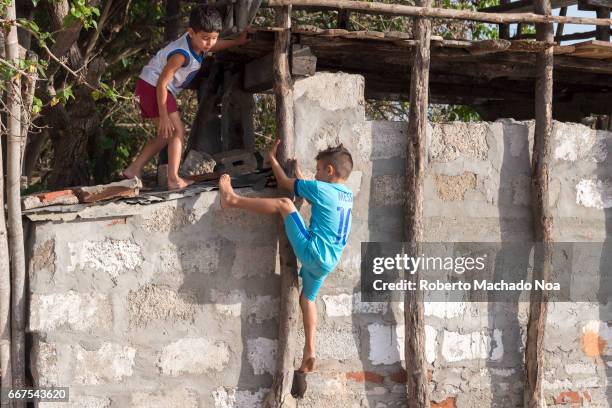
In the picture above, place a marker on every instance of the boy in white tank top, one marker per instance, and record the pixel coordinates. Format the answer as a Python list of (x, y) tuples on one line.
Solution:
[(163, 78)]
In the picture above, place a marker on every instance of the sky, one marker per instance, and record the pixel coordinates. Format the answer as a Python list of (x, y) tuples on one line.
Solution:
[(572, 28), (576, 28)]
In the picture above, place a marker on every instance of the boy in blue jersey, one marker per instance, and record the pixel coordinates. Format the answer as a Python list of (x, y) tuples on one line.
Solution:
[(318, 247)]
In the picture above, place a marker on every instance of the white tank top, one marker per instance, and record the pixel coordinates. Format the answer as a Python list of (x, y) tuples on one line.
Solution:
[(151, 72)]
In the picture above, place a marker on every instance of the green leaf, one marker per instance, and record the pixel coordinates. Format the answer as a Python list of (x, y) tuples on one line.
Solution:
[(36, 105)]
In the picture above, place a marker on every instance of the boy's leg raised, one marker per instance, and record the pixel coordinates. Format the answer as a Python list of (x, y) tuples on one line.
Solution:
[(152, 147), (229, 199)]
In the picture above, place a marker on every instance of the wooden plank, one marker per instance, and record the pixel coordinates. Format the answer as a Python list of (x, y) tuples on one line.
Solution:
[(593, 49), (415, 11), (280, 393), (542, 213), (417, 384)]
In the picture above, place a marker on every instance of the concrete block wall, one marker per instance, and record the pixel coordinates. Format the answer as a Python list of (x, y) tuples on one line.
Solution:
[(176, 303)]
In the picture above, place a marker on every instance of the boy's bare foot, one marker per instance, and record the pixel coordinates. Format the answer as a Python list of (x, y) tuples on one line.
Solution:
[(226, 191), (178, 184), (308, 363)]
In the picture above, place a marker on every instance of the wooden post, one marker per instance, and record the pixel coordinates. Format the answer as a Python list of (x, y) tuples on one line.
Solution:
[(543, 220), (414, 319), (173, 13), (504, 29), (343, 19), (560, 26), (603, 32), (280, 394), (15, 236)]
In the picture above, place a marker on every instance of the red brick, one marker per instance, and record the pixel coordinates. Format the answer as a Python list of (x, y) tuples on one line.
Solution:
[(363, 376), (54, 195), (572, 397), (447, 403), (117, 221), (586, 396), (398, 376)]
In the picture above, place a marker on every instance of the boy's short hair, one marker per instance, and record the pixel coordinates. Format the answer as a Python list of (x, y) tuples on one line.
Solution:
[(205, 18), (339, 158)]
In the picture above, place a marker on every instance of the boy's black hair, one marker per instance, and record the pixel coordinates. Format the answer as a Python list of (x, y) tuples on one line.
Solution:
[(339, 158), (205, 18)]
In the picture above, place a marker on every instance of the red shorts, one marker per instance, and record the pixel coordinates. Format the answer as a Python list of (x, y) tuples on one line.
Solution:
[(147, 95)]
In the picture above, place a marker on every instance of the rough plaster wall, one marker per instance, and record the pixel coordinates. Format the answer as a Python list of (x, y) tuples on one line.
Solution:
[(177, 305)]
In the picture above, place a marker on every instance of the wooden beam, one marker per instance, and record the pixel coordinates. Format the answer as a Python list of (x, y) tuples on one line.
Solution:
[(280, 393), (592, 5), (417, 386), (542, 214), (415, 11), (524, 6)]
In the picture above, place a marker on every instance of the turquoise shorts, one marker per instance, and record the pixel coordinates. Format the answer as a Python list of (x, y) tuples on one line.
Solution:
[(312, 273)]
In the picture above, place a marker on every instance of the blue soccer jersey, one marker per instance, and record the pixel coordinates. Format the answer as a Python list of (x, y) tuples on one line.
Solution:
[(330, 222)]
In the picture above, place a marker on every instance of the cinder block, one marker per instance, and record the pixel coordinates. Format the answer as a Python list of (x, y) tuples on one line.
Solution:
[(476, 345), (261, 353), (235, 162), (79, 401), (110, 255), (70, 311), (111, 363), (387, 343), (452, 141), (176, 397), (345, 305), (195, 355), (229, 397), (152, 303)]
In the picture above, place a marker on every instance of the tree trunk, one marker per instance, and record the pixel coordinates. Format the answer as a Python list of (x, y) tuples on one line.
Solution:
[(74, 126), (416, 365), (280, 395), (6, 376), (5, 295), (543, 221), (16, 246), (28, 90)]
